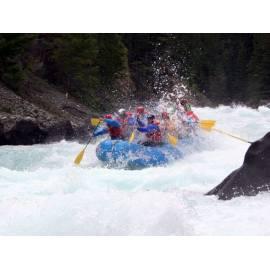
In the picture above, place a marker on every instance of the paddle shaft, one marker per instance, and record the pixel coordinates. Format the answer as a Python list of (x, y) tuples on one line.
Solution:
[(223, 132), (91, 136)]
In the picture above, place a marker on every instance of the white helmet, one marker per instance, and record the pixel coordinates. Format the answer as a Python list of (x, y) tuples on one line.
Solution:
[(121, 112)]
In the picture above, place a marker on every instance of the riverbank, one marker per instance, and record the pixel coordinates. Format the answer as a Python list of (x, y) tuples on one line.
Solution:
[(40, 113)]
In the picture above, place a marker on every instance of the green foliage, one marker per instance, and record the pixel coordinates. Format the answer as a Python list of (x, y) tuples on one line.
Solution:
[(71, 61), (224, 67), (259, 68), (112, 56), (12, 53), (83, 63)]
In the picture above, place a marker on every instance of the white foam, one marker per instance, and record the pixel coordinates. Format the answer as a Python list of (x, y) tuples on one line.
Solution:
[(43, 193)]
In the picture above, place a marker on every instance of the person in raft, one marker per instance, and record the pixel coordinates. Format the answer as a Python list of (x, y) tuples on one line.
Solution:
[(113, 127), (188, 111), (190, 120), (127, 122), (141, 115), (152, 131), (167, 125)]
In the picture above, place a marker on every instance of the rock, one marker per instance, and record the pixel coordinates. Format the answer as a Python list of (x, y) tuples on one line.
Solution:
[(41, 114), (62, 130), (252, 177), (25, 132), (2, 136)]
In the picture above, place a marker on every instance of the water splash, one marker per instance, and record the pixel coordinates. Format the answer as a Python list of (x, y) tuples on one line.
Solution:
[(43, 193)]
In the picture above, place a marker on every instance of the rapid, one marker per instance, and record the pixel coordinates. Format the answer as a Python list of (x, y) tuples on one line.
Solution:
[(43, 193)]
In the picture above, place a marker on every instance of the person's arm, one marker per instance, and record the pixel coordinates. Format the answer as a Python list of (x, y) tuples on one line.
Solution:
[(143, 129), (112, 123), (140, 123), (149, 128), (195, 117), (99, 132)]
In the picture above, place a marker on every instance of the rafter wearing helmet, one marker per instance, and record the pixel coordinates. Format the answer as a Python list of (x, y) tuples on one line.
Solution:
[(113, 127)]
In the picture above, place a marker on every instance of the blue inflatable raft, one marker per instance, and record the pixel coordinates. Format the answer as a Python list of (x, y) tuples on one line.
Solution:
[(135, 156)]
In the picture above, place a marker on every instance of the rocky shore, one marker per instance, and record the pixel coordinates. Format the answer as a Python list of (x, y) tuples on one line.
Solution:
[(41, 113)]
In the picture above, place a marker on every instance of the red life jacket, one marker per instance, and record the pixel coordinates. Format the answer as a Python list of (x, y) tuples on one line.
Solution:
[(115, 132), (192, 115), (155, 136), (123, 121)]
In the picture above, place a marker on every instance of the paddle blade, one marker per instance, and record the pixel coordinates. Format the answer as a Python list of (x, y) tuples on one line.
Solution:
[(207, 124), (172, 139), (79, 158), (95, 122), (132, 137)]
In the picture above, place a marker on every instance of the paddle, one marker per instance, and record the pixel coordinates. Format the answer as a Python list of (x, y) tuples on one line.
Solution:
[(95, 121), (79, 157), (209, 126), (132, 136), (172, 139)]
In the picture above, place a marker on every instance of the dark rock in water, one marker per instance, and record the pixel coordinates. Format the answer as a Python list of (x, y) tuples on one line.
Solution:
[(2, 136), (252, 177), (62, 130), (26, 132)]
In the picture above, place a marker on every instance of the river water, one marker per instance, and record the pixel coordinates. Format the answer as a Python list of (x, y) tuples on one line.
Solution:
[(43, 193)]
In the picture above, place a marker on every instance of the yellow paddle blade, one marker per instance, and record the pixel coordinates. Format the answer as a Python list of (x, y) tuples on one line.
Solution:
[(172, 139), (95, 121), (207, 124), (132, 136), (79, 158)]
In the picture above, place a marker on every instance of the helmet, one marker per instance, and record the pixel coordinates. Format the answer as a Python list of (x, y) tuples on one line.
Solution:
[(121, 112), (108, 116), (140, 109), (151, 117), (183, 101), (165, 115), (129, 114)]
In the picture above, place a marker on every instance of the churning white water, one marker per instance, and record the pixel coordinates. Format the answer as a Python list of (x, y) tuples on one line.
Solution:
[(43, 193)]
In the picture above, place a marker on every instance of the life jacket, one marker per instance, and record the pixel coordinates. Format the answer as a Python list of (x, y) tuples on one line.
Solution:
[(193, 116), (155, 136), (126, 127), (115, 133), (122, 121)]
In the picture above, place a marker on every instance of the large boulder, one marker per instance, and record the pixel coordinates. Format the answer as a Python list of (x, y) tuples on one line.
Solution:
[(252, 177), (41, 114), (61, 130), (2, 135), (26, 132)]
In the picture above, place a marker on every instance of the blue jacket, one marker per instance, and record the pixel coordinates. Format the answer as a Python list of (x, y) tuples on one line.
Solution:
[(105, 130), (140, 122), (149, 129), (131, 121)]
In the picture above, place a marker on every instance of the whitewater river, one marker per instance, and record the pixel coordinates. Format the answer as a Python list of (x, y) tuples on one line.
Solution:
[(43, 193)]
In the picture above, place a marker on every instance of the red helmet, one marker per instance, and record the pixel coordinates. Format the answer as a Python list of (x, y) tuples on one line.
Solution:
[(108, 116), (165, 115), (140, 109)]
